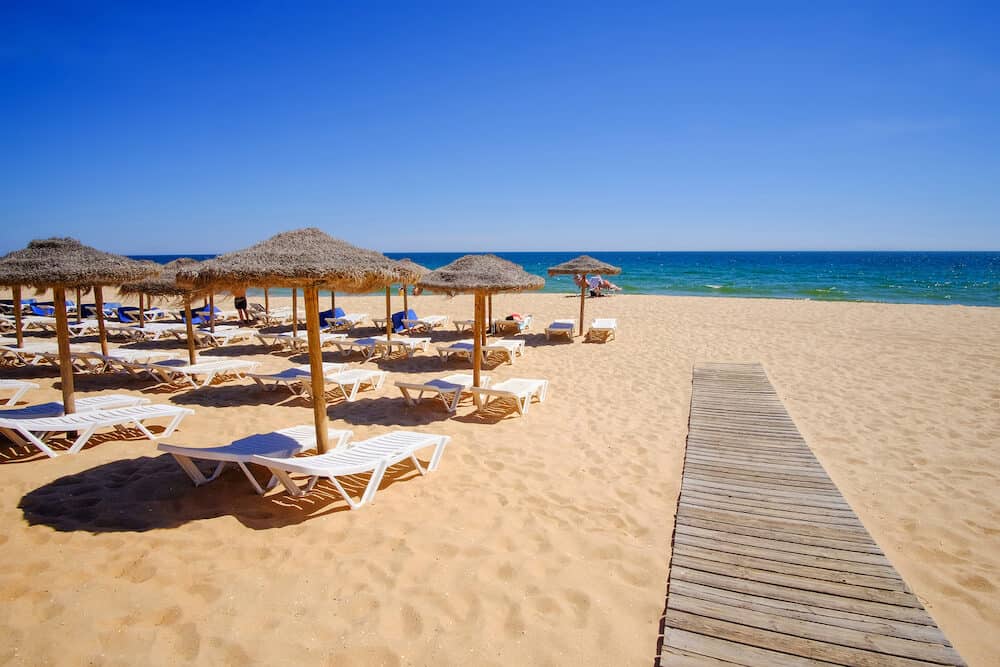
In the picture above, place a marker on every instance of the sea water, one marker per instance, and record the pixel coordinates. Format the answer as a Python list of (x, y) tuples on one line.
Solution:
[(968, 278)]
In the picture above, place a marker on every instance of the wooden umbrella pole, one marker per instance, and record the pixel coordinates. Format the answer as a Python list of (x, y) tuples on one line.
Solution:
[(406, 305), (192, 355), (317, 382), (142, 313), (65, 364), (295, 313), (388, 313), (267, 303), (477, 348), (16, 291), (102, 332), (583, 302), (489, 320), (211, 312), (333, 301)]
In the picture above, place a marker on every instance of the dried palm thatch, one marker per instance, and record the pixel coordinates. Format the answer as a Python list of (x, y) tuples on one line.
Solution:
[(67, 263), (299, 258), (410, 272), (584, 264), (485, 274), (163, 285)]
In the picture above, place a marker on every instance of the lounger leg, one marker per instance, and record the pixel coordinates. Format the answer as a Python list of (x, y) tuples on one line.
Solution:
[(26, 437), (290, 486), (406, 396), (188, 466), (438, 452), (171, 427), (373, 484), (81, 441), (249, 476), (354, 391)]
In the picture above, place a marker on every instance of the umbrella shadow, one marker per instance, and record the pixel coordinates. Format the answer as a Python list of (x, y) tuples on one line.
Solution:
[(494, 413), (19, 371), (540, 340), (149, 493), (231, 351), (387, 411)]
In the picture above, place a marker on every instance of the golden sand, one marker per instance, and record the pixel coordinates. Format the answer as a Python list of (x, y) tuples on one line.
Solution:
[(540, 540)]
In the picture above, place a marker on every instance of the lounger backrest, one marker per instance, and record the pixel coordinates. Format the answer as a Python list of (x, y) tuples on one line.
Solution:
[(43, 311), (397, 321), (128, 314)]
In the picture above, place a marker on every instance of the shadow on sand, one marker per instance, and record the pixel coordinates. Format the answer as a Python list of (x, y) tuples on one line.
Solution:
[(147, 493)]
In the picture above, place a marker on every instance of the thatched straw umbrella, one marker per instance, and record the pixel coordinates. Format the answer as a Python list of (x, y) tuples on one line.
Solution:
[(304, 259), (411, 273), (65, 263), (480, 275), (583, 265), (165, 286)]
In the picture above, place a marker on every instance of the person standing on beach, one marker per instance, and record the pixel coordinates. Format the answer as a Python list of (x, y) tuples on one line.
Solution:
[(240, 301)]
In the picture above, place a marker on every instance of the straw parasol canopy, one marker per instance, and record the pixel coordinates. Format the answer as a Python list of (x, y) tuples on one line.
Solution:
[(583, 265), (304, 258), (480, 275), (165, 285), (410, 273), (65, 263)]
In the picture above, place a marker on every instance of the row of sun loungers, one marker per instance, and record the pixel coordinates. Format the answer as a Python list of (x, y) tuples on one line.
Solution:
[(348, 381)]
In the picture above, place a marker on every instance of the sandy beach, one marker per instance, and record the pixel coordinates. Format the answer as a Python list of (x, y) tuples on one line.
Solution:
[(541, 540)]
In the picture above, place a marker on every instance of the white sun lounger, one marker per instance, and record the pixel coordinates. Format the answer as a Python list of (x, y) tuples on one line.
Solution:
[(506, 347), (223, 335), (35, 431), (518, 391), (423, 324), (38, 323), (504, 327), (463, 325), (298, 340), (449, 389), (605, 328), (278, 444), (31, 353), (83, 404), (408, 344), (19, 387), (561, 328), (83, 328), (296, 379), (373, 455), (345, 323), (351, 381), (133, 361), (460, 348), (366, 346), (178, 371), (83, 361), (158, 330)]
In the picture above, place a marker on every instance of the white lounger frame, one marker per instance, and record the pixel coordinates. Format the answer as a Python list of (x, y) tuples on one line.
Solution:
[(448, 389), (518, 391), (374, 455), (282, 443), (35, 431), (20, 388)]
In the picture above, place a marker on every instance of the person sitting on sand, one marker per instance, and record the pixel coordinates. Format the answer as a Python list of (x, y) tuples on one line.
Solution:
[(608, 285)]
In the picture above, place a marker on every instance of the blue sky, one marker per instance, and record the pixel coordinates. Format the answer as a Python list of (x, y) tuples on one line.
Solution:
[(163, 128)]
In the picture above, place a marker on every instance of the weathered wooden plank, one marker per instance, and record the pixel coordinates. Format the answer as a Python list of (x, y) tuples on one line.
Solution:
[(860, 622), (763, 509), (890, 647), (732, 529), (777, 546), (779, 525), (733, 653)]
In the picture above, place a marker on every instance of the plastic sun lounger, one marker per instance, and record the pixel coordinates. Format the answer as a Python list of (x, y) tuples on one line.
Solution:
[(159, 330), (410, 344), (506, 347), (223, 335), (366, 346), (463, 325), (83, 404), (31, 354), (460, 348), (423, 324), (38, 323), (278, 444), (561, 328), (518, 391), (351, 381), (178, 371), (298, 340), (35, 431), (374, 455), (345, 322), (296, 379), (83, 361), (19, 387), (83, 328), (605, 328), (133, 361), (449, 389), (504, 327)]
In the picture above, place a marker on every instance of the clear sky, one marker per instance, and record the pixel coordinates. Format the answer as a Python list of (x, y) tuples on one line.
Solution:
[(420, 126)]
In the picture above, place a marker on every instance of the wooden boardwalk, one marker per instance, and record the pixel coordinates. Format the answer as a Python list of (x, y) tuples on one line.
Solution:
[(770, 565)]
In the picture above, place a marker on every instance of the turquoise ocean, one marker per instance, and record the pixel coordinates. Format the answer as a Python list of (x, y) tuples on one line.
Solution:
[(967, 278)]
